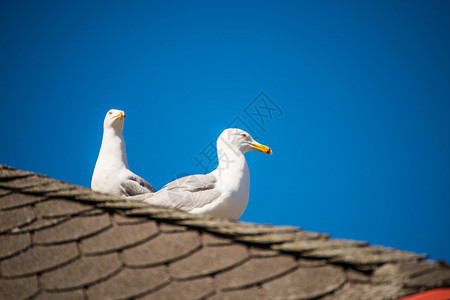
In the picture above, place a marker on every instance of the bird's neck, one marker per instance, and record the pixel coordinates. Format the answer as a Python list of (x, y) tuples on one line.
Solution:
[(113, 148), (232, 165)]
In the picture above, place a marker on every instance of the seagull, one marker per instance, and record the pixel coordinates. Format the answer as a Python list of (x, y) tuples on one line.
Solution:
[(223, 192), (111, 173)]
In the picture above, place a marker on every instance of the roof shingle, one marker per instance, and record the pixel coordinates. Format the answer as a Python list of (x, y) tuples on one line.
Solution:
[(119, 237), (208, 260), (130, 283), (298, 285), (72, 230), (13, 243), (38, 259), (93, 268), (15, 218), (18, 288), (176, 245)]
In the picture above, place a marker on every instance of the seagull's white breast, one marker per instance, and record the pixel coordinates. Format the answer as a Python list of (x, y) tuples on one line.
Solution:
[(234, 190)]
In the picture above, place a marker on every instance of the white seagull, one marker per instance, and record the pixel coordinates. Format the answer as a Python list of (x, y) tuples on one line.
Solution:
[(223, 192), (111, 173)]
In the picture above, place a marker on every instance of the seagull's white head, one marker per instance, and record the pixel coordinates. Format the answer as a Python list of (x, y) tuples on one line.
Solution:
[(114, 119), (240, 140)]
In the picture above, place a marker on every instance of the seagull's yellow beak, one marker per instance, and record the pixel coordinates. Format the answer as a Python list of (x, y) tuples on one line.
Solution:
[(120, 115), (262, 148)]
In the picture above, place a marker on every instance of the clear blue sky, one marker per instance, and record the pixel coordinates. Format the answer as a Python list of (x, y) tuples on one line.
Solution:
[(361, 135)]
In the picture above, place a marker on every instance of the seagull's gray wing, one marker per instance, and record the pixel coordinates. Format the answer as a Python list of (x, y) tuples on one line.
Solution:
[(135, 185), (187, 193)]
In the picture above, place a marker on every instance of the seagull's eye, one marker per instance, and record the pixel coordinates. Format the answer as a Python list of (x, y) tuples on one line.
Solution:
[(110, 113), (244, 135)]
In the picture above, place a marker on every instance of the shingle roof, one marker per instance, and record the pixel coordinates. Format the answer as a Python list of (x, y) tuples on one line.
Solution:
[(61, 241)]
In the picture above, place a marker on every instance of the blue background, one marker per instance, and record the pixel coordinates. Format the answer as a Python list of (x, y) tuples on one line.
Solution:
[(361, 141)]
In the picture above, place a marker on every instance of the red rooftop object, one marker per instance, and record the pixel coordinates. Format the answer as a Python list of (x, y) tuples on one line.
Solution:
[(436, 294)]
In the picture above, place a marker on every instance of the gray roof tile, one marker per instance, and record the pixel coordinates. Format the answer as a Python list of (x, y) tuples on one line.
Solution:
[(258, 252), (165, 227), (165, 248), (92, 268), (20, 288), (311, 263), (435, 278), (403, 270), (123, 220), (119, 237), (47, 188), (191, 289), (278, 238), (69, 193), (364, 291), (160, 213), (298, 284), (95, 197), (206, 222), (71, 295), (130, 283), (16, 217), (253, 293), (13, 243), (242, 229), (11, 173), (94, 212), (60, 208), (310, 245), (17, 200), (4, 192), (38, 259), (357, 276), (366, 258), (256, 270), (72, 230), (39, 224), (214, 240), (26, 182), (208, 260)]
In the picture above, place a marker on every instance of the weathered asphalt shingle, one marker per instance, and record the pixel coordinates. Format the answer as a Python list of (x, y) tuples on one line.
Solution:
[(71, 295), (366, 291), (4, 192), (208, 260), (130, 283), (38, 259), (13, 218), (298, 284), (212, 240), (73, 229), (177, 245), (11, 244), (18, 288), (60, 208), (255, 271), (107, 241), (61, 241), (22, 183), (432, 279), (93, 268), (190, 289), (253, 293), (15, 200)]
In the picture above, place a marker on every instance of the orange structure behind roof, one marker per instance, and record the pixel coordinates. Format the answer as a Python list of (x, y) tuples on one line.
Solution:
[(436, 294)]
